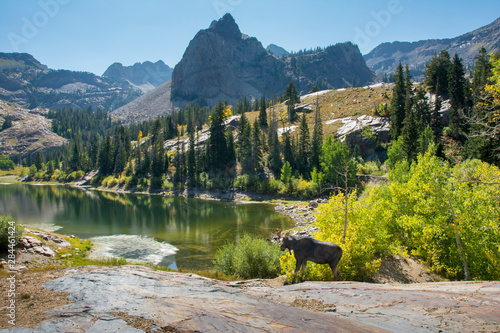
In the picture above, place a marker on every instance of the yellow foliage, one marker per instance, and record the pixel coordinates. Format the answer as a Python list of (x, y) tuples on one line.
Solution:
[(228, 112)]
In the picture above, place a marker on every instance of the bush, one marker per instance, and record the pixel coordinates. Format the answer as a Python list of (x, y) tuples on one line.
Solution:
[(74, 176), (6, 163), (275, 186), (9, 229), (109, 181), (247, 182), (305, 189), (131, 181), (156, 182), (250, 258)]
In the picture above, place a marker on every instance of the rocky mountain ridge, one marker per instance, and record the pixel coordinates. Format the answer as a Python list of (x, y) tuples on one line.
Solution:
[(25, 81), (221, 63), (145, 76), (385, 58)]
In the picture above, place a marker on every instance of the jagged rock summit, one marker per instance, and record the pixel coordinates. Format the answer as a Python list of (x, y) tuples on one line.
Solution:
[(226, 27), (146, 76), (221, 63)]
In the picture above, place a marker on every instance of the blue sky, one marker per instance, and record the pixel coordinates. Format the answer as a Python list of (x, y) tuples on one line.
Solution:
[(90, 35)]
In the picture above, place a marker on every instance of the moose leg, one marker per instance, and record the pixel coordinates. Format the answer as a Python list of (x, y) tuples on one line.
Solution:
[(335, 271), (304, 269), (297, 266)]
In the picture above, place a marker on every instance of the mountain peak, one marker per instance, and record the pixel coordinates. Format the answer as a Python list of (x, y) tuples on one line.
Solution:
[(226, 27)]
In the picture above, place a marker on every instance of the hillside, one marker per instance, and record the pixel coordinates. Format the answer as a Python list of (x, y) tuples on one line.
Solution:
[(221, 63), (385, 58), (31, 131), (149, 106), (25, 81), (145, 76), (345, 113)]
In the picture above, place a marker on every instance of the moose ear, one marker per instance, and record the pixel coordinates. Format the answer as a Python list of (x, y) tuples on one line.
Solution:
[(287, 234)]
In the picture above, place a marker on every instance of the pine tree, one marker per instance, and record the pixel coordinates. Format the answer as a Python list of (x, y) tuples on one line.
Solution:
[(75, 159), (292, 97), (256, 104), (436, 122), (317, 139), (481, 72), (94, 149), (120, 160), (425, 140), (422, 109), (178, 162), (39, 161), (456, 90), (245, 146), (436, 73), (217, 141), (304, 146), (263, 112), (410, 136), (397, 111), (288, 155), (256, 151), (231, 151), (105, 156), (158, 163)]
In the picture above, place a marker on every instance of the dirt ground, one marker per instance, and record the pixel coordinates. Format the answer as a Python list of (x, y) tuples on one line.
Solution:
[(31, 300)]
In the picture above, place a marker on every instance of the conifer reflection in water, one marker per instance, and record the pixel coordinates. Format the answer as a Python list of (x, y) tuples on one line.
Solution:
[(197, 228)]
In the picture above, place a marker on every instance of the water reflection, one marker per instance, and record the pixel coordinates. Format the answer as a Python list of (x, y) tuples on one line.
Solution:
[(195, 227)]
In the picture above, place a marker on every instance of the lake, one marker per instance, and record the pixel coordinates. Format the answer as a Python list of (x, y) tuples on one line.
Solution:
[(168, 231)]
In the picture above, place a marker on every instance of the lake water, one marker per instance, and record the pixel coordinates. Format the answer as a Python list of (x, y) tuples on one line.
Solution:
[(168, 231)]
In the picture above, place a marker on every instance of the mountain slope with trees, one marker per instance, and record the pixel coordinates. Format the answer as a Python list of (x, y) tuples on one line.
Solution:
[(385, 58)]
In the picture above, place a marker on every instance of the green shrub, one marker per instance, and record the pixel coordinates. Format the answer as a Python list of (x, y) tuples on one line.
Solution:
[(275, 186), (250, 258), (6, 163), (9, 229), (74, 176), (168, 185), (305, 189), (156, 182), (247, 182), (131, 181)]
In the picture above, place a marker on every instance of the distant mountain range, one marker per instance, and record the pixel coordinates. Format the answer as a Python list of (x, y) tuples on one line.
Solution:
[(146, 76), (221, 63), (25, 81), (385, 58)]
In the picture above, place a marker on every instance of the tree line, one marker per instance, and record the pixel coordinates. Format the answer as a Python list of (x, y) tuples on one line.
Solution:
[(257, 155)]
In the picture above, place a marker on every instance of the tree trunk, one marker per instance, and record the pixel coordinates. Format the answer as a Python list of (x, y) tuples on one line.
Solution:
[(459, 243)]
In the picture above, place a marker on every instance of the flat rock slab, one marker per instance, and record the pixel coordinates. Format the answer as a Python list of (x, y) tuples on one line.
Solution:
[(190, 303)]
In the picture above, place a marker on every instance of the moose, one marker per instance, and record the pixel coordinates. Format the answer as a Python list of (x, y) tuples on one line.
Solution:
[(309, 249)]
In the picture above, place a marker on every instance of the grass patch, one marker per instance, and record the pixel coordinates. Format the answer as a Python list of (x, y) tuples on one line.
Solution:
[(252, 257)]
